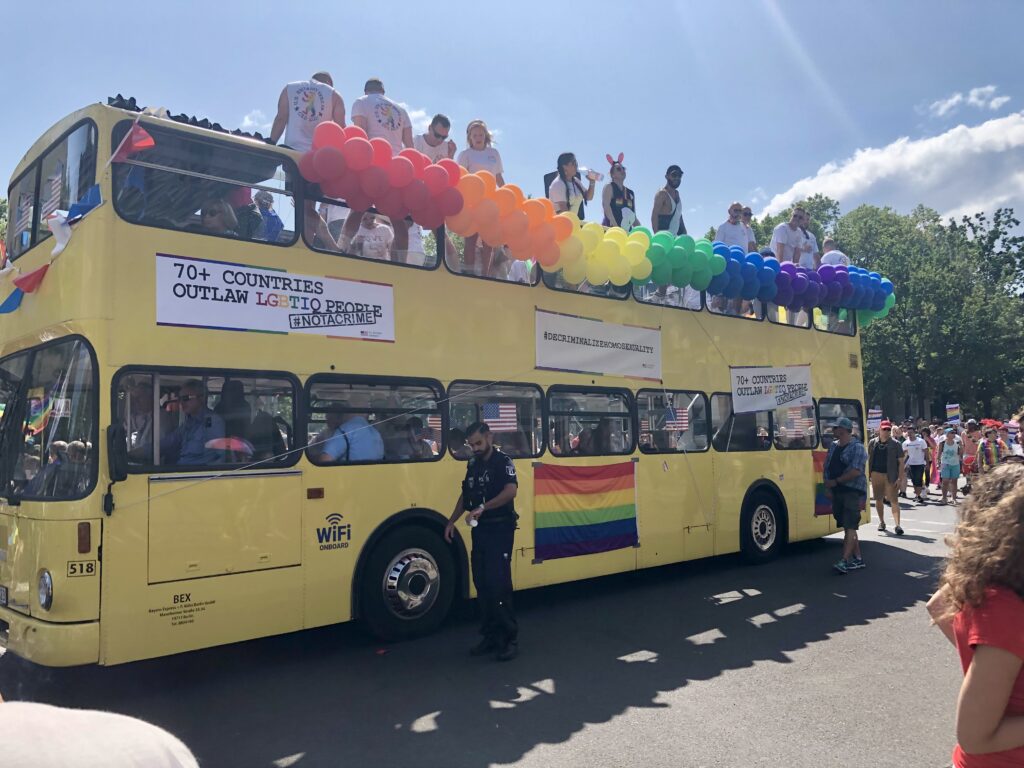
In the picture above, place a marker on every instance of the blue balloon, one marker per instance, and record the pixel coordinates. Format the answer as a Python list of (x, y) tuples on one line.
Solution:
[(766, 276), (750, 289), (755, 259), (721, 249), (849, 290), (749, 273), (876, 283), (733, 268), (732, 290), (716, 243), (772, 263), (874, 276), (878, 302), (738, 253), (768, 292), (718, 284), (887, 286)]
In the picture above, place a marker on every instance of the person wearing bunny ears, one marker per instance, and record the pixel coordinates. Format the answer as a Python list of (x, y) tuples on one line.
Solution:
[(618, 200)]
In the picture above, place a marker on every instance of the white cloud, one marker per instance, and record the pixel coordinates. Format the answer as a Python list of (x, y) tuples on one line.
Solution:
[(965, 169), (758, 196), (419, 117), (256, 120), (982, 97)]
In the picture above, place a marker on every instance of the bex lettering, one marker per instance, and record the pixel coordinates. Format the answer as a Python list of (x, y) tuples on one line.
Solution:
[(185, 597)]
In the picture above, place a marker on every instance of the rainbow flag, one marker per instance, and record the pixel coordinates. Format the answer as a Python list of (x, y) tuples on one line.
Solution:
[(39, 415), (583, 510), (822, 503)]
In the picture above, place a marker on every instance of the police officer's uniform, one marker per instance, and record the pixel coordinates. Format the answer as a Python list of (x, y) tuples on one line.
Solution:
[(492, 545)]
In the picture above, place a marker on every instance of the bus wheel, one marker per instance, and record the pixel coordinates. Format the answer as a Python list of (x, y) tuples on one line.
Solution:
[(762, 527), (407, 585)]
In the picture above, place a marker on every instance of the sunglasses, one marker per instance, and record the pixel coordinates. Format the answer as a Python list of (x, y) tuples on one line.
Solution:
[(210, 212), (735, 213), (187, 398), (441, 136), (748, 213)]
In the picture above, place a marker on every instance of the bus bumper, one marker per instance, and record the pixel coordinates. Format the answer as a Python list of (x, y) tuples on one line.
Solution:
[(48, 644)]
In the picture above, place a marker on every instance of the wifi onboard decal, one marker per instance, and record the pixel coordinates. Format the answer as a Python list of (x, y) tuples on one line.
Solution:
[(335, 534)]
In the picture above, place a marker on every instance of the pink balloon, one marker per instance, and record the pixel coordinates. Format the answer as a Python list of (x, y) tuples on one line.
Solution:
[(428, 217), (328, 134), (415, 195), (418, 159), (358, 154), (436, 179), (374, 182), (382, 152), (329, 162), (354, 131), (450, 202), (454, 170), (342, 188), (401, 171)]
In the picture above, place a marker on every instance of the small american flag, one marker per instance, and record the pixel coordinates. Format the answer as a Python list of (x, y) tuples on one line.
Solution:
[(51, 192), (500, 417), (677, 420), (645, 425), (798, 420), (24, 218), (434, 422)]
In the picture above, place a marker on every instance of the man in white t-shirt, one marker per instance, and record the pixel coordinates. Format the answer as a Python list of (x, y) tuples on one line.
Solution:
[(302, 106), (832, 255), (374, 239), (382, 118), (734, 232), (809, 258), (788, 241), (916, 450), (435, 142)]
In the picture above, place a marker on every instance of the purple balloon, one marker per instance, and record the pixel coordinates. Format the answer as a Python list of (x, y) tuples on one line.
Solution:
[(784, 296), (789, 268), (827, 273), (784, 280), (796, 304), (800, 283), (842, 276), (834, 293), (848, 291), (813, 276)]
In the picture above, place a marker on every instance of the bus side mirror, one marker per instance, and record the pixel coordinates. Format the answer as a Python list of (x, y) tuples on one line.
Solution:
[(117, 453)]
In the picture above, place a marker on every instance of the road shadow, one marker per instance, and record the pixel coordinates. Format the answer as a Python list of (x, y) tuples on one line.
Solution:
[(590, 651)]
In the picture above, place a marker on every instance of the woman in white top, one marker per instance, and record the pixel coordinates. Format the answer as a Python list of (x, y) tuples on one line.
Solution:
[(567, 192), (479, 155)]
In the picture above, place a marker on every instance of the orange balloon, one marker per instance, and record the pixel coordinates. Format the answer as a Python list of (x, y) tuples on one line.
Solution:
[(506, 201), (514, 225), (490, 183), (520, 245), (486, 214), (520, 197), (545, 233), (548, 255), (462, 223), (491, 236), (562, 226), (535, 211), (548, 206), (472, 188)]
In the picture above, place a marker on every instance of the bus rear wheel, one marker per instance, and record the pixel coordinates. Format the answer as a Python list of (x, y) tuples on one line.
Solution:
[(407, 585), (762, 527)]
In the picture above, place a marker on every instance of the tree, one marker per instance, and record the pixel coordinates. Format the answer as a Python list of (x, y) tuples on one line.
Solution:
[(3, 218)]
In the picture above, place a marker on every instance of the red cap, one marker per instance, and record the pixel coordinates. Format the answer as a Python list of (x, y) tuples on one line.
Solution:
[(885, 425)]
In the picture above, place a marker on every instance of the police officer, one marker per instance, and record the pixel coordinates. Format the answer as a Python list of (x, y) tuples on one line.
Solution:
[(486, 498)]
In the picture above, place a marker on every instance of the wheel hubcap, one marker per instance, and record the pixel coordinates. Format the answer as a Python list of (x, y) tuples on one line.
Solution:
[(763, 528), (411, 584)]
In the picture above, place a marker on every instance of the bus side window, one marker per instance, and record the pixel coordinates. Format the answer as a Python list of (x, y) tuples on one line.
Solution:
[(737, 431), (794, 427), (511, 411), (672, 421), (592, 421), (831, 409)]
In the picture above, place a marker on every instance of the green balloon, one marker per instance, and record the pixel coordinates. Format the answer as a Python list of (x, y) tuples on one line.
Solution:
[(677, 257), (662, 274), (681, 277), (656, 254), (717, 264), (700, 280), (664, 239), (864, 318), (701, 262), (890, 302), (640, 283), (687, 243)]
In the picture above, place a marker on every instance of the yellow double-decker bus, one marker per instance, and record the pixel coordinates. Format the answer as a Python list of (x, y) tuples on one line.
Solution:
[(175, 384)]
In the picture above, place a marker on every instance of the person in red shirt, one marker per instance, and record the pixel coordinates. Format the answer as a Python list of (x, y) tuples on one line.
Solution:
[(980, 608)]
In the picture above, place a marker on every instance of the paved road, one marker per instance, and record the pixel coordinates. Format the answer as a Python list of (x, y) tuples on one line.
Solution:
[(703, 664)]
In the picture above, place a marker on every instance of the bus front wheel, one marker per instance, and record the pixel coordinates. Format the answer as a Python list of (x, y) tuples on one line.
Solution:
[(762, 527), (408, 584)]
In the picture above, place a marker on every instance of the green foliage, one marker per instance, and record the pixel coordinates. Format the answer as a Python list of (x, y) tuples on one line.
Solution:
[(3, 218)]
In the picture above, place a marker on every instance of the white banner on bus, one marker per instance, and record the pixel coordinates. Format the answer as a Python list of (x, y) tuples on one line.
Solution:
[(874, 419), (765, 389), (582, 345), (199, 293)]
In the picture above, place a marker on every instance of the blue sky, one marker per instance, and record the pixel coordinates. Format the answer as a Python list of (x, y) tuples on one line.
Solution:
[(763, 101)]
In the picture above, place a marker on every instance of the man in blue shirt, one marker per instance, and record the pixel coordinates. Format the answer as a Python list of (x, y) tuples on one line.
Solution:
[(187, 443), (847, 486), (353, 438)]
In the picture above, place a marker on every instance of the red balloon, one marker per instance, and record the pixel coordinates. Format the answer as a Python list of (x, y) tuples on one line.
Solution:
[(382, 152), (308, 169), (328, 134), (336, 189), (374, 182), (415, 195), (428, 217), (329, 163), (346, 186), (436, 179), (358, 154), (391, 204), (450, 201), (418, 159), (358, 201), (354, 131), (453, 168), (401, 171)]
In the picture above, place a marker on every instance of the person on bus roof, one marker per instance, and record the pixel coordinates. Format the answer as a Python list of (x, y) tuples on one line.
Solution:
[(302, 106)]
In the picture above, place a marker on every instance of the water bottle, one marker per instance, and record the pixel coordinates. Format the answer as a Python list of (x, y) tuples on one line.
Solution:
[(592, 175)]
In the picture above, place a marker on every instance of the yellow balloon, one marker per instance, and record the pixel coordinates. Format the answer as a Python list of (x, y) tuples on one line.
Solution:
[(642, 271), (618, 235), (634, 253), (574, 274), (570, 250), (607, 251), (593, 226), (576, 223), (590, 239), (597, 273), (640, 237), (619, 272)]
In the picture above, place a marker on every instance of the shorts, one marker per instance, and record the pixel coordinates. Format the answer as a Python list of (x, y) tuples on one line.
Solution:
[(949, 472), (846, 510), (916, 474)]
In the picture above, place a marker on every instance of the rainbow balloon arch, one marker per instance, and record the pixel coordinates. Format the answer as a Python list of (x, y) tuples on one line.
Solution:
[(366, 173)]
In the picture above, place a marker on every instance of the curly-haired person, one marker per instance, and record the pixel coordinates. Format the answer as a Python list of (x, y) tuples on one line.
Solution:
[(979, 606)]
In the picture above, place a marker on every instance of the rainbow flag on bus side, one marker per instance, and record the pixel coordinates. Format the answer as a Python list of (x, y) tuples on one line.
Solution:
[(584, 510)]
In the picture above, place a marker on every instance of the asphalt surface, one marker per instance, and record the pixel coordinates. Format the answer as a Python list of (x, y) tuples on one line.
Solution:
[(713, 663)]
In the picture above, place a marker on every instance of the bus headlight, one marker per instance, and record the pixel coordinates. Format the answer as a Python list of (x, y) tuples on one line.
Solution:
[(45, 589)]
